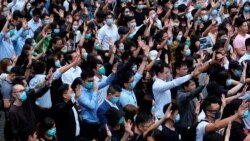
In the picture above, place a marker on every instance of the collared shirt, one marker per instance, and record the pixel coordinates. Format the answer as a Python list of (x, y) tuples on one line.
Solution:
[(105, 33), (111, 104), (6, 89), (45, 100), (127, 96), (6, 47), (89, 102), (77, 133), (102, 93), (33, 26), (69, 76), (162, 93)]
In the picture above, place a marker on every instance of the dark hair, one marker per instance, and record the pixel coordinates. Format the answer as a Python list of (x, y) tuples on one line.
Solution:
[(143, 118), (109, 13), (213, 136), (113, 116), (68, 56), (124, 77), (208, 101), (77, 81), (146, 104), (87, 73), (44, 126), (130, 111), (222, 77), (159, 68), (37, 12), (173, 108), (114, 88), (247, 42), (187, 83), (231, 108), (62, 89), (39, 67), (17, 71)]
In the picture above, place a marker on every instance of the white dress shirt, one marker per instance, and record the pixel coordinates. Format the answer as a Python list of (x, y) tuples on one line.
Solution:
[(105, 33), (69, 76), (45, 100), (33, 27), (162, 94), (102, 93)]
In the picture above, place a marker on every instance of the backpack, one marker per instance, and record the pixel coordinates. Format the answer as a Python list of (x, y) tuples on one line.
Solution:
[(191, 132)]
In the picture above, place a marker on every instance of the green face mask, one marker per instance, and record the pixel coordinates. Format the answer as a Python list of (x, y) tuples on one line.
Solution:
[(198, 6), (121, 121), (89, 85), (102, 70), (98, 47), (12, 32)]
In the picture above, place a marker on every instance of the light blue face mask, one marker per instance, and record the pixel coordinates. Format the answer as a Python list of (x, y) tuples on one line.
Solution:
[(23, 96), (228, 3), (88, 36), (51, 132), (27, 89), (114, 100), (130, 36), (238, 73), (57, 31), (140, 6), (187, 52), (46, 22), (102, 70), (109, 22), (229, 82), (246, 9), (58, 64), (204, 18), (214, 12), (179, 37), (246, 114), (132, 85), (85, 55), (177, 118), (89, 85), (25, 33)]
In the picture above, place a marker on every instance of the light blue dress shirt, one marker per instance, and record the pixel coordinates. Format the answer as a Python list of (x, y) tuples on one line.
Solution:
[(128, 97), (6, 47), (89, 102)]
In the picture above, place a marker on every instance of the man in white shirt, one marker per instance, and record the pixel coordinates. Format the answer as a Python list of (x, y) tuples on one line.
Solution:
[(108, 32), (161, 88), (246, 56), (69, 76), (35, 22), (212, 108)]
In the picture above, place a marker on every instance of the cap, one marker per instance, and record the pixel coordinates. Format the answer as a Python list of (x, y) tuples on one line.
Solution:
[(153, 54)]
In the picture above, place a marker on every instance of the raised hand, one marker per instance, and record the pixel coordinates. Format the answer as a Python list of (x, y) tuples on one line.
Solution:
[(168, 112), (128, 126)]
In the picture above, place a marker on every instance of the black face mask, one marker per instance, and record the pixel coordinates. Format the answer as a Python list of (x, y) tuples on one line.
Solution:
[(217, 114), (233, 14)]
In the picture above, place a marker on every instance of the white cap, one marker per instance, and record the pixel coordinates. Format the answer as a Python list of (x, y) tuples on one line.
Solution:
[(153, 54)]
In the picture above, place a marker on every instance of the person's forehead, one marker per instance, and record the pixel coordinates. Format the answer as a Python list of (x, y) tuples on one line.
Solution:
[(215, 106)]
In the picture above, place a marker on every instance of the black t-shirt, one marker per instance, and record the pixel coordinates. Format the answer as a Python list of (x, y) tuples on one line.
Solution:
[(137, 137), (170, 135), (237, 131), (116, 134), (139, 17)]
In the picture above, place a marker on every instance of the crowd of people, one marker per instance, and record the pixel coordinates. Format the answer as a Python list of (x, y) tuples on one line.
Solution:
[(125, 70)]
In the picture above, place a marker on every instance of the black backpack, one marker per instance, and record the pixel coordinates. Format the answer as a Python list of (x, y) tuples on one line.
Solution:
[(191, 132)]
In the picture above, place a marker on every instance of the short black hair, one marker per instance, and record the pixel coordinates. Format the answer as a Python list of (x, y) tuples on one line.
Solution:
[(159, 68), (113, 116), (125, 76), (247, 42), (208, 101), (109, 13), (114, 88), (76, 82), (39, 67), (62, 89), (86, 73), (68, 56), (179, 64), (173, 108), (143, 118), (37, 12), (17, 71)]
